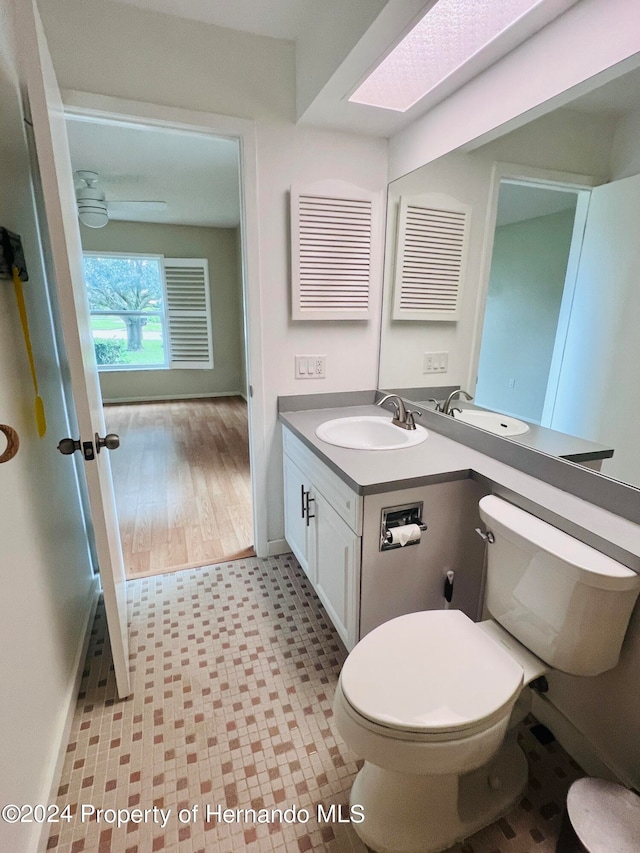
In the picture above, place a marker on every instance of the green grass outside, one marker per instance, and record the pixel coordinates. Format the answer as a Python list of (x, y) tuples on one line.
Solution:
[(100, 324), (152, 352)]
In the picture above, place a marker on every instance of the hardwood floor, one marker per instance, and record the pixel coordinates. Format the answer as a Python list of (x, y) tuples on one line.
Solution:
[(182, 483)]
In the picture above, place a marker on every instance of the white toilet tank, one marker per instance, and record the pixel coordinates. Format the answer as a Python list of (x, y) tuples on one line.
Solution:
[(566, 602)]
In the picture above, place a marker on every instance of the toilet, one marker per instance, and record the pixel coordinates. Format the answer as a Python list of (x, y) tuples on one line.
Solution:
[(428, 700)]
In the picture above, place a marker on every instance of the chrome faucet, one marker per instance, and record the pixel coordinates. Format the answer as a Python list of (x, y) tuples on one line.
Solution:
[(445, 408), (404, 418)]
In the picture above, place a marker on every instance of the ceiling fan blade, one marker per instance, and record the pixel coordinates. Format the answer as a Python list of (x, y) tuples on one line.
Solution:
[(139, 206)]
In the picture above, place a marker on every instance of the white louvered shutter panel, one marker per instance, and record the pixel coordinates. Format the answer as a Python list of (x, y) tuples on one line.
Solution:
[(433, 236), (188, 312), (332, 241)]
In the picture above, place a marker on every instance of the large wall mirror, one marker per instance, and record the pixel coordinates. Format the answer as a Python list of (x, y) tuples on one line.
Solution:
[(542, 227)]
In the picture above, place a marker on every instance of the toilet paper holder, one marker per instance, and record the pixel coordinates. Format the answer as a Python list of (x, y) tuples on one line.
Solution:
[(397, 516)]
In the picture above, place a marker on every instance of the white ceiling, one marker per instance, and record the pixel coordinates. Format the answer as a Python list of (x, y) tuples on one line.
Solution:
[(196, 174), (282, 19), (299, 20)]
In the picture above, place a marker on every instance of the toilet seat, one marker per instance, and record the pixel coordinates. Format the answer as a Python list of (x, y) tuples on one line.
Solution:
[(432, 673)]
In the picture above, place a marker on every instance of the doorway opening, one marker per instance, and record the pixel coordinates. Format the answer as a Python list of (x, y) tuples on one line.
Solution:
[(163, 267), (536, 247)]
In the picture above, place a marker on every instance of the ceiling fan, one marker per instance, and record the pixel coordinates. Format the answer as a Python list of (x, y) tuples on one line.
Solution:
[(94, 209)]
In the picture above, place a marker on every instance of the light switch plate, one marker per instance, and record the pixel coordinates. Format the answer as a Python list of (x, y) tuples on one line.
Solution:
[(311, 366), (435, 362)]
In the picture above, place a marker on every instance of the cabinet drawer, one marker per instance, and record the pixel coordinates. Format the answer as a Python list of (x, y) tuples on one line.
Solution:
[(344, 500)]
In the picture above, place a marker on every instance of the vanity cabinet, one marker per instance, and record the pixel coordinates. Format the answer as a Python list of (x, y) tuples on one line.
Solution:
[(335, 536), (323, 527)]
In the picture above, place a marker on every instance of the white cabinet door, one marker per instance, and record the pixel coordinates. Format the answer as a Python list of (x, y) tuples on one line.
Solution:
[(298, 530), (337, 563)]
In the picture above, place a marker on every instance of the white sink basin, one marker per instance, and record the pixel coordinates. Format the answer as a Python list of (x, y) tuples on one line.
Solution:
[(492, 422), (369, 432)]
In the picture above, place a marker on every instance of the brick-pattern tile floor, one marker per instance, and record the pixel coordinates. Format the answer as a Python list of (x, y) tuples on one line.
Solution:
[(234, 668)]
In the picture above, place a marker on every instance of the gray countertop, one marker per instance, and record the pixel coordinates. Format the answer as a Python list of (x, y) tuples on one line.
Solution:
[(369, 472), (549, 440), (441, 459)]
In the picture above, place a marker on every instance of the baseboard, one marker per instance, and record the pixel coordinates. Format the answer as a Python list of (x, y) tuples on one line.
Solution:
[(275, 547), (167, 398), (56, 764), (574, 741)]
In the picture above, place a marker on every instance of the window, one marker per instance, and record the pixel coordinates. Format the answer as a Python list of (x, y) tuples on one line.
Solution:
[(148, 311), (126, 301)]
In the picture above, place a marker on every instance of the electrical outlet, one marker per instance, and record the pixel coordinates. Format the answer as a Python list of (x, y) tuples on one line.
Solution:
[(435, 362), (311, 366)]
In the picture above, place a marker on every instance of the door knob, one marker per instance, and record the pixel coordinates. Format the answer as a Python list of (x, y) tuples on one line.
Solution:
[(111, 441), (67, 446)]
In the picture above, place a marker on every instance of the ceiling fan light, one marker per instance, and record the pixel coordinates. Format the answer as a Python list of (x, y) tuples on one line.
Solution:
[(93, 217)]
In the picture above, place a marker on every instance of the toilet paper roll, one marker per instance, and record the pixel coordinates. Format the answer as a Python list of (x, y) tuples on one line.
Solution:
[(405, 533)]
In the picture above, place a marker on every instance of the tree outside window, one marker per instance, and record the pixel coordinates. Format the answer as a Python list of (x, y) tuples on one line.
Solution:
[(127, 310)]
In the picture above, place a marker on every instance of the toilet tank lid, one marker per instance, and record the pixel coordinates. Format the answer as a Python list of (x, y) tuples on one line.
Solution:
[(588, 565)]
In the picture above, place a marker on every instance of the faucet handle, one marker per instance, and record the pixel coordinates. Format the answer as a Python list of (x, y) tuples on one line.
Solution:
[(409, 420), (438, 404)]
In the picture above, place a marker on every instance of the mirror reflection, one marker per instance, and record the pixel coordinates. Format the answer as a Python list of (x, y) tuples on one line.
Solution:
[(537, 314)]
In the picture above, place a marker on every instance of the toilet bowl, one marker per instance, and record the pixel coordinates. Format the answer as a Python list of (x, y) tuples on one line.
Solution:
[(427, 698), (429, 726)]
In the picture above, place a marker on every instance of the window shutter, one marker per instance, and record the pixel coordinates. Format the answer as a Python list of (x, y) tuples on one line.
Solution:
[(333, 237), (433, 236), (188, 312)]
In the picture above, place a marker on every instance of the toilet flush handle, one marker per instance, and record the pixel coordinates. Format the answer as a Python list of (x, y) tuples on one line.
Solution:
[(486, 535)]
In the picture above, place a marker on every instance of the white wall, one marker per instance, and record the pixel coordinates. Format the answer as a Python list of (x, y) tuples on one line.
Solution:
[(242, 86), (219, 246), (287, 155), (588, 39), (46, 586), (117, 49)]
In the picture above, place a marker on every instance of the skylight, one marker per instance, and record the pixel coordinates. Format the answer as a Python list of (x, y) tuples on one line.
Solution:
[(446, 38)]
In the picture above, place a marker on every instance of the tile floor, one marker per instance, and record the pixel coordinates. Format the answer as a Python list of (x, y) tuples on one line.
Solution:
[(234, 668)]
